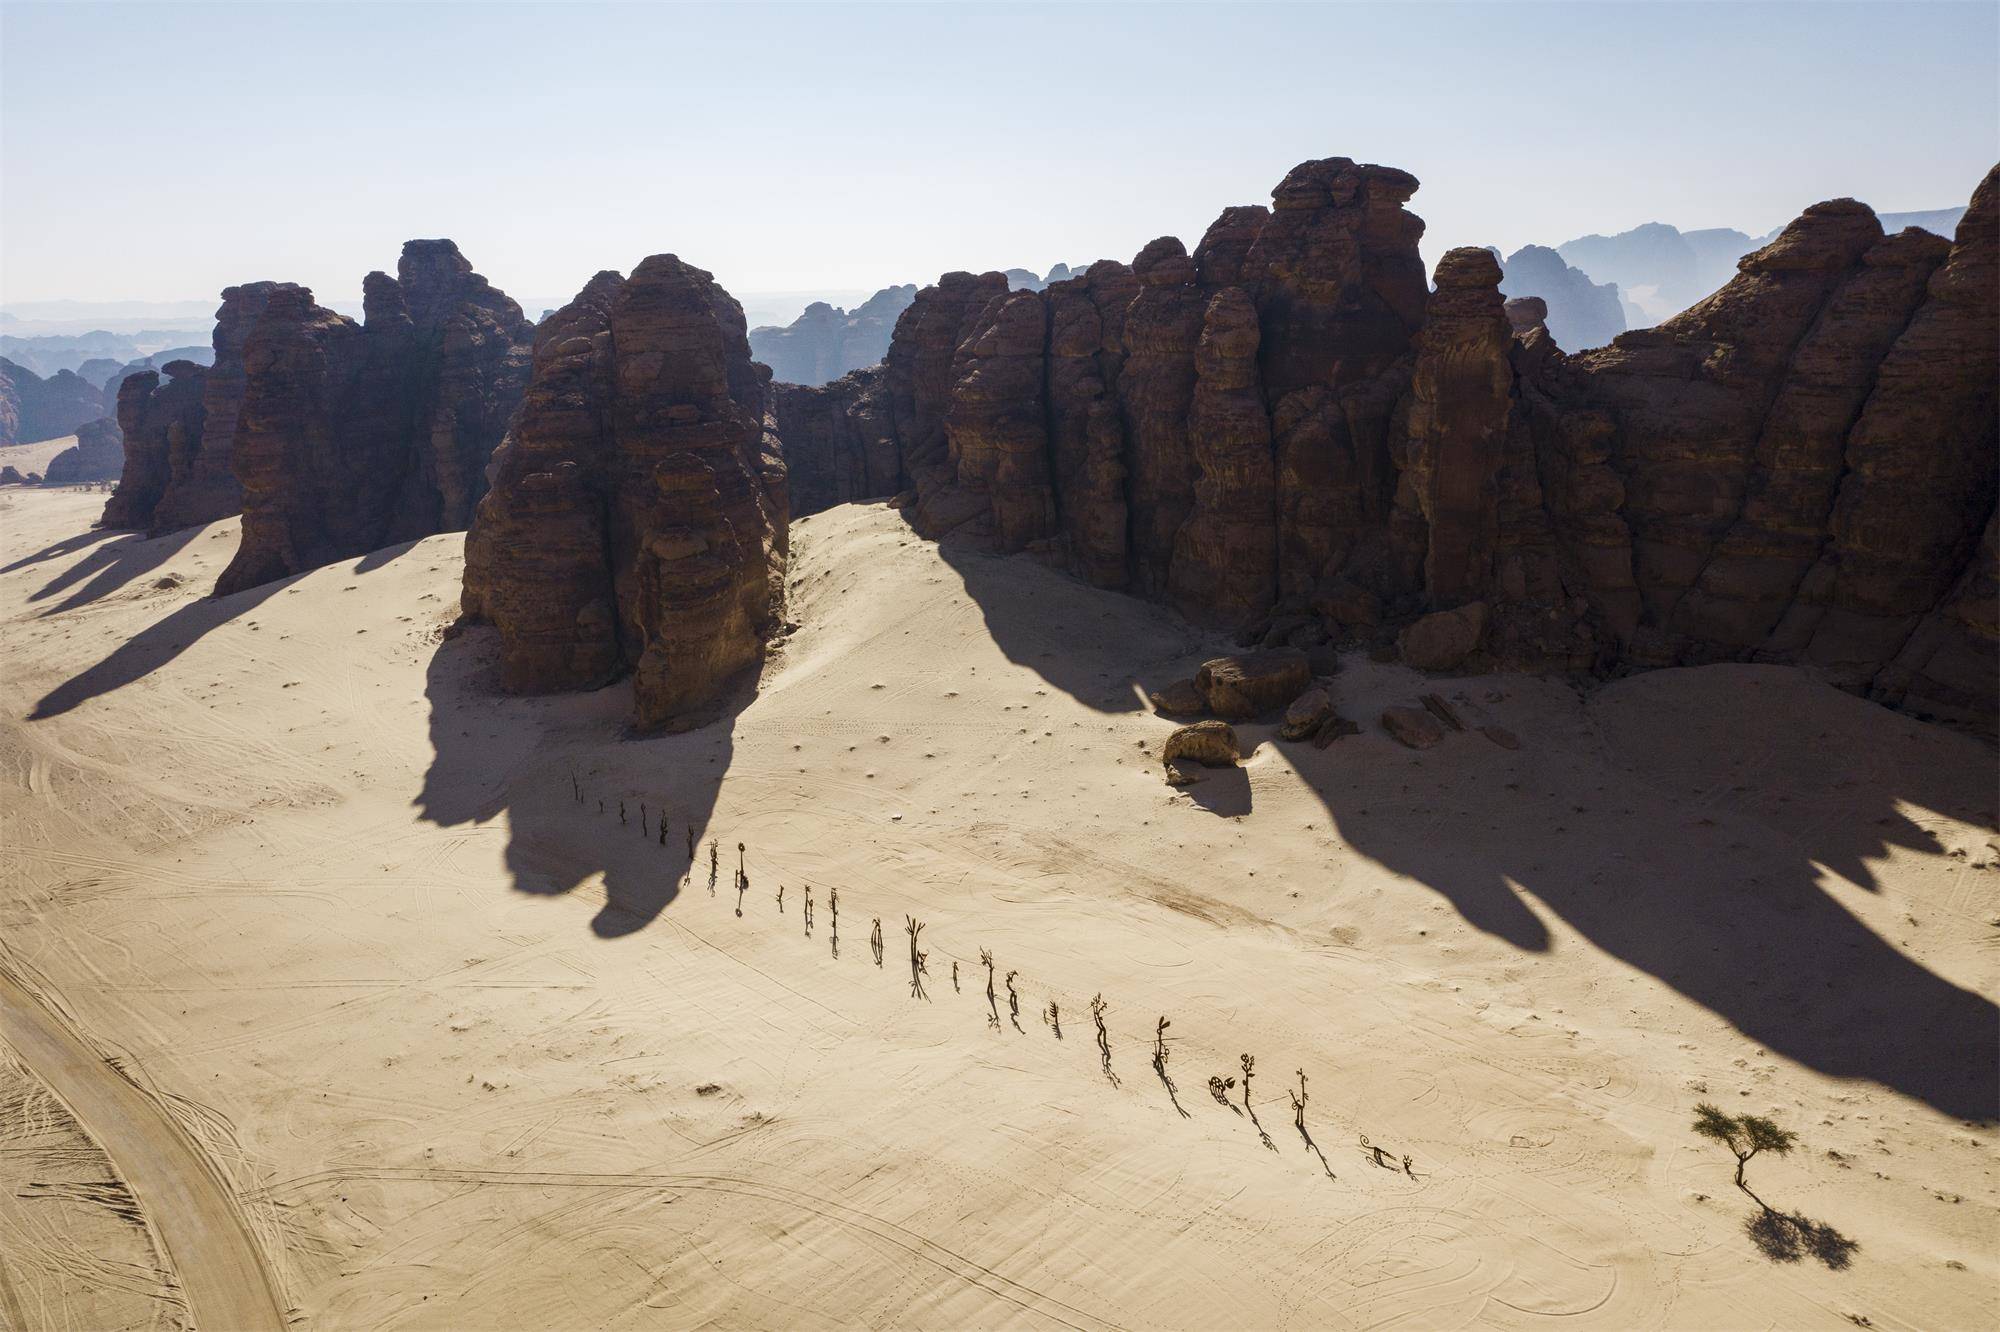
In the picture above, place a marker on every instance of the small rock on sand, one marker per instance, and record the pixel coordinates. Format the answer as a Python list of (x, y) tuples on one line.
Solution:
[(1210, 744), (1413, 726)]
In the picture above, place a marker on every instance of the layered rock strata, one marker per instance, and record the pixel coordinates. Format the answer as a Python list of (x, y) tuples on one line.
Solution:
[(1287, 427), (351, 437), (637, 517)]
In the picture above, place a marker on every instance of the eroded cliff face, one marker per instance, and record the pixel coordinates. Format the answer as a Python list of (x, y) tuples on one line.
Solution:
[(1291, 428), (637, 517), (180, 430), (351, 437)]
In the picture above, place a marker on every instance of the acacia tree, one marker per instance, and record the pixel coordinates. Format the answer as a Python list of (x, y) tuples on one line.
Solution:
[(1744, 1136)]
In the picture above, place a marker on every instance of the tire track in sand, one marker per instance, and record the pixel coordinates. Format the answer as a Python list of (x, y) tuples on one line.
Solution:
[(221, 1272)]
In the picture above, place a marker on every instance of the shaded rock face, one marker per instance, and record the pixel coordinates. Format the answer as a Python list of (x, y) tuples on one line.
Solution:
[(1287, 425), (97, 455), (827, 342), (33, 408), (180, 430), (636, 522), (351, 437), (1579, 313)]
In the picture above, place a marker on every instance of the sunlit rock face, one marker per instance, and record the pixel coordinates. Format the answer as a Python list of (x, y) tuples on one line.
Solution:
[(1290, 424), (636, 521)]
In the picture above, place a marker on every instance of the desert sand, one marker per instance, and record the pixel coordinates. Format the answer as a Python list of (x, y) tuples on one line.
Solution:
[(327, 1001), (26, 458)]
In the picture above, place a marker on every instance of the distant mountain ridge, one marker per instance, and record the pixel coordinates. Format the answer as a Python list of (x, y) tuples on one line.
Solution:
[(1661, 270), (827, 342)]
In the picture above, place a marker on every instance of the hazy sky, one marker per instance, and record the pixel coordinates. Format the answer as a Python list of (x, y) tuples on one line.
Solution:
[(163, 151)]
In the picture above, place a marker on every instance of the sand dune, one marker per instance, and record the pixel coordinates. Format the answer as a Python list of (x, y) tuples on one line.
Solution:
[(444, 1046)]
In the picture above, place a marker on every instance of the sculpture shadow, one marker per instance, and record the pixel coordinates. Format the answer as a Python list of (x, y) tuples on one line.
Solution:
[(153, 647), (527, 759), (1731, 917), (111, 566)]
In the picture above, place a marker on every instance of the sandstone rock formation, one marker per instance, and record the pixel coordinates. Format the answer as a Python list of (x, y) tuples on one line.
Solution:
[(97, 455), (33, 408), (1239, 688), (352, 436), (1285, 429), (1179, 699), (1205, 744), (1580, 313), (10, 475), (1305, 714), (637, 517), (827, 342)]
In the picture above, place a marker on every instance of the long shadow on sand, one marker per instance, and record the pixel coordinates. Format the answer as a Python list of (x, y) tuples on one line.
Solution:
[(69, 545), (153, 647), (1750, 934), (110, 566), (530, 758)]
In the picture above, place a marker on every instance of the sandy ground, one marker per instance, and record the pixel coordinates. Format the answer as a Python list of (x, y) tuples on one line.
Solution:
[(443, 1046), (26, 458)]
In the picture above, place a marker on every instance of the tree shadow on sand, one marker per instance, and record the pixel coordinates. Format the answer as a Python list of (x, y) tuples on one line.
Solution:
[(1787, 1237), (531, 758)]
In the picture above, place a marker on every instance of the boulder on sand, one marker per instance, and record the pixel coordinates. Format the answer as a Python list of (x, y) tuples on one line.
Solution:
[(1252, 683), (1210, 744), (1443, 639), (1413, 726), (1179, 699), (1306, 714)]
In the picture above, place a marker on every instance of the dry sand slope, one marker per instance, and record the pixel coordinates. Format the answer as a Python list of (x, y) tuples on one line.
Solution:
[(443, 1047)]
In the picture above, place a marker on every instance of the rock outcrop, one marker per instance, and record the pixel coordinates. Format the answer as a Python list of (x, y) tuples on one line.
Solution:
[(1287, 430), (636, 522), (352, 437), (1243, 687), (33, 408), (1579, 313), (97, 455), (180, 431), (826, 342)]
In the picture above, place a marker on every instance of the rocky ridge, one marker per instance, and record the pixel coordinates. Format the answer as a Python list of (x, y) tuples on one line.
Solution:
[(33, 408), (1288, 432)]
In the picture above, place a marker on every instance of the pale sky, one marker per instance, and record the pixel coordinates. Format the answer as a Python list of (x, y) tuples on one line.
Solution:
[(164, 151)]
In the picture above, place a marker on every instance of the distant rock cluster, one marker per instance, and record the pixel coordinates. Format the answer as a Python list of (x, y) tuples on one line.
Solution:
[(179, 424), (1579, 313), (33, 408), (1289, 427), (826, 342), (638, 513)]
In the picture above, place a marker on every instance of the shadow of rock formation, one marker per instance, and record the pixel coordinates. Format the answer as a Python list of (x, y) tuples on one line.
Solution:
[(116, 562), (498, 756)]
